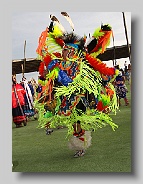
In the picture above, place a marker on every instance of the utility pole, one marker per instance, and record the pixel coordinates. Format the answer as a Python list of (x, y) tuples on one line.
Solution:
[(24, 60), (114, 58), (126, 36)]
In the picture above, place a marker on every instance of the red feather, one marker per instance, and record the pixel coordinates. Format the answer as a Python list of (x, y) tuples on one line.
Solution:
[(102, 42), (60, 41), (100, 106), (47, 59), (44, 63), (57, 54), (99, 66)]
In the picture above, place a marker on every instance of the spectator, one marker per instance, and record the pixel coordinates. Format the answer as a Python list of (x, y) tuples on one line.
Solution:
[(28, 107), (121, 89), (128, 76), (129, 68), (125, 66), (35, 86), (18, 103)]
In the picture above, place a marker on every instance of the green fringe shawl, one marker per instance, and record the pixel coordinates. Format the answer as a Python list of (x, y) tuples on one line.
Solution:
[(91, 119), (85, 80)]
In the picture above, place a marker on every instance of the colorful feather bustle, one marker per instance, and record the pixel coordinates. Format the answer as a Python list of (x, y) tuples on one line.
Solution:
[(42, 42), (100, 40)]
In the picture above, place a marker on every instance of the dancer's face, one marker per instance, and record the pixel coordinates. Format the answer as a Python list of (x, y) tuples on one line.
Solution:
[(14, 79), (67, 53)]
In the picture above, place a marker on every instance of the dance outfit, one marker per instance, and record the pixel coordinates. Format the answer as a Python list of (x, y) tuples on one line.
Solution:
[(18, 103), (74, 90)]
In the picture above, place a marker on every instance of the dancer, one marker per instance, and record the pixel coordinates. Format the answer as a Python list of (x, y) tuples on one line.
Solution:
[(75, 94), (121, 89), (35, 86), (28, 107), (18, 103)]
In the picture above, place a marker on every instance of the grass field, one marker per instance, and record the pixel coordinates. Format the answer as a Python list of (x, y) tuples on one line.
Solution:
[(34, 151)]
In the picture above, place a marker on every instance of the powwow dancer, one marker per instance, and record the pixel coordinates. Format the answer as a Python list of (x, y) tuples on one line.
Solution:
[(28, 107), (75, 95), (18, 103), (35, 86), (121, 89)]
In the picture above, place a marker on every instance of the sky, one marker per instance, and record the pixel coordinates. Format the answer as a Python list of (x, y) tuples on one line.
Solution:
[(27, 26)]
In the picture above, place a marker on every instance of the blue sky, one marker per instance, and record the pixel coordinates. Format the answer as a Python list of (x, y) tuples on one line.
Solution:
[(29, 25)]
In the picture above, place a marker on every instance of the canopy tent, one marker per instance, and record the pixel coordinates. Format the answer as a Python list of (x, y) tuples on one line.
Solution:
[(32, 64)]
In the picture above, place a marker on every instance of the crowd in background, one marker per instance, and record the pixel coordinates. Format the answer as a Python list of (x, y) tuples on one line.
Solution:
[(23, 96)]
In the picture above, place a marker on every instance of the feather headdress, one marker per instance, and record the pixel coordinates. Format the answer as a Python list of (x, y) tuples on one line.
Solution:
[(57, 22), (67, 17)]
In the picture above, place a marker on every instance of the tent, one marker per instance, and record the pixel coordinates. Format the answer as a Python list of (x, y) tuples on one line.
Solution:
[(32, 64)]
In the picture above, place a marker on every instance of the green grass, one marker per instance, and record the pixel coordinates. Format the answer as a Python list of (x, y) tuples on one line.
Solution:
[(34, 151)]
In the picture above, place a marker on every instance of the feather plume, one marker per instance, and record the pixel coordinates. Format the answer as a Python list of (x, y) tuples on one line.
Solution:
[(57, 22), (67, 17)]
